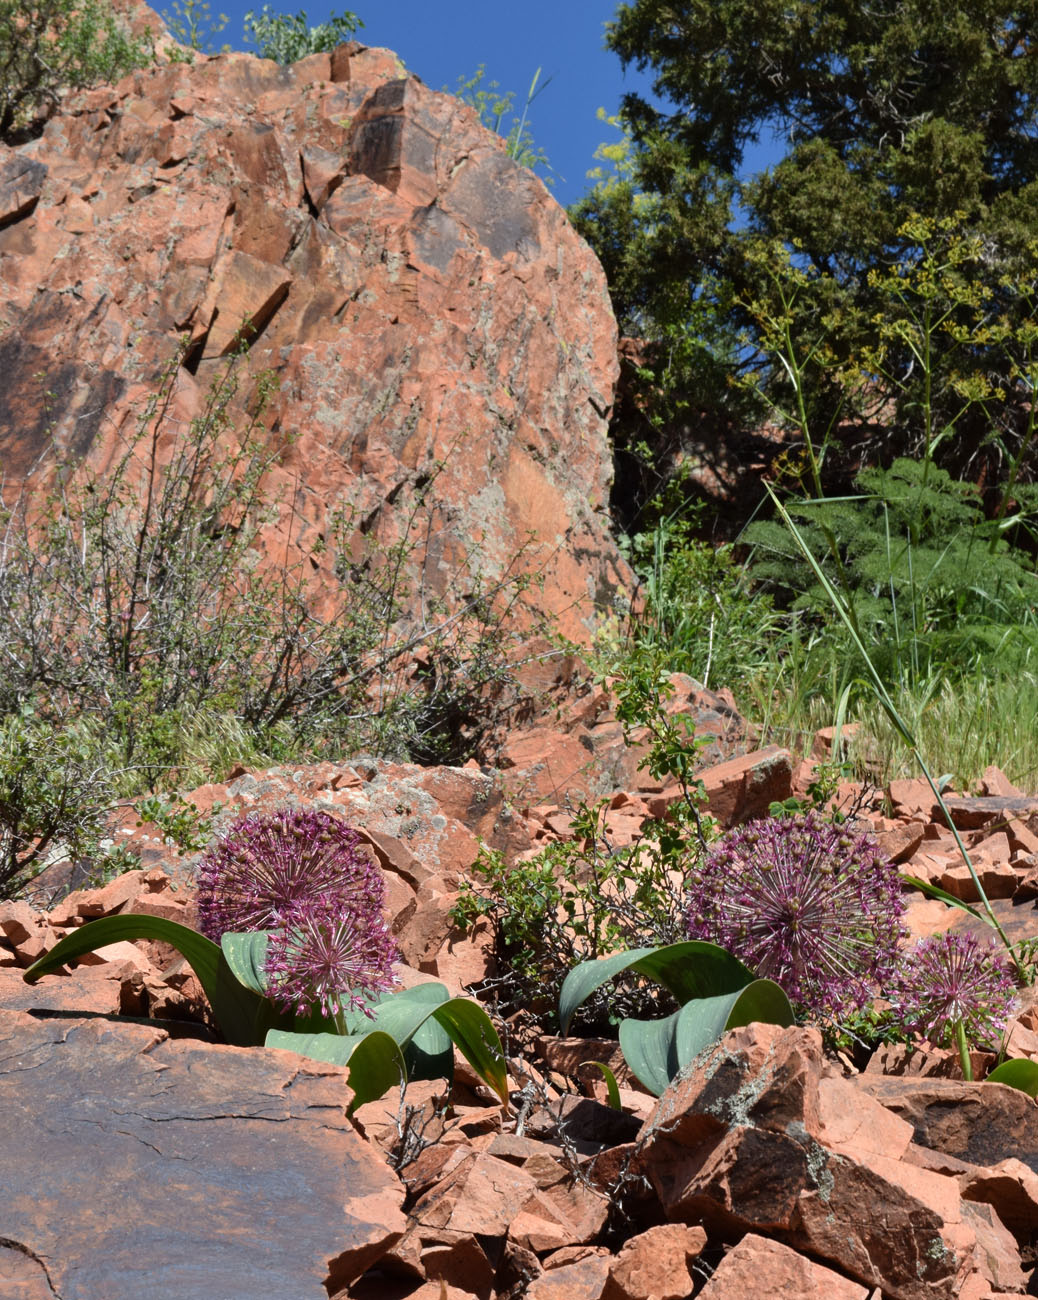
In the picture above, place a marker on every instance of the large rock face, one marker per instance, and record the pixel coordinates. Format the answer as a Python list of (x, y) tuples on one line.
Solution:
[(139, 1166), (420, 297)]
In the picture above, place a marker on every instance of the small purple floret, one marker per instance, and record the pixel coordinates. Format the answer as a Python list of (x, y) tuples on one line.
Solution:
[(806, 903), (953, 978), (306, 877)]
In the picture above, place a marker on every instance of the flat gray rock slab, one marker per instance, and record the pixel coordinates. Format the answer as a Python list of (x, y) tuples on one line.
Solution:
[(137, 1168)]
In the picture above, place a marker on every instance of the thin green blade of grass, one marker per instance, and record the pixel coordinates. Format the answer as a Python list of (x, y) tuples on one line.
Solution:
[(898, 723)]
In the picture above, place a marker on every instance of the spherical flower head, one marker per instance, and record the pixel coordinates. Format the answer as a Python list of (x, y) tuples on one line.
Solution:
[(267, 868), (305, 877), (953, 978), (329, 959), (804, 902)]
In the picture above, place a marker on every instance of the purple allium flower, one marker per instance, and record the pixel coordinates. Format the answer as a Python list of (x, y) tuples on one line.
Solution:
[(329, 958), (811, 905), (952, 978), (267, 868), (304, 875)]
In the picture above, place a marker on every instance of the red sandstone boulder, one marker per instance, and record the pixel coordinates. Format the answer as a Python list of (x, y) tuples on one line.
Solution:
[(419, 295), (132, 1162)]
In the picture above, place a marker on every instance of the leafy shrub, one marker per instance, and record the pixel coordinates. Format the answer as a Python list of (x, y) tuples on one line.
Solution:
[(138, 600), (808, 904), (700, 613), (48, 47), (285, 38), (574, 901), (583, 898), (55, 790)]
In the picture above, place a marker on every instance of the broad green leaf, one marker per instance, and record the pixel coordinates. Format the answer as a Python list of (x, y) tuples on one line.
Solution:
[(246, 955), (375, 1061), (650, 1049), (612, 1089), (238, 1010), (474, 1035), (694, 969), (657, 1049), (424, 1021), (1021, 1074), (406, 1017)]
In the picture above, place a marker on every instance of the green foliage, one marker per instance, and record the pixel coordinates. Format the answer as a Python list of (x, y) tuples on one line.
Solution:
[(181, 822), (700, 614), (193, 24), (285, 38), (574, 901), (54, 793), (584, 897), (142, 608), (883, 112), (715, 993), (1021, 1074), (417, 1025), (48, 47), (496, 111), (931, 583)]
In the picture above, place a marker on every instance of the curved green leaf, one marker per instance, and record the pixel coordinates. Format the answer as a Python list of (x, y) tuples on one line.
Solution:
[(425, 1021), (693, 969), (375, 1061), (650, 1049), (406, 1017), (935, 891), (656, 1050), (612, 1089), (238, 1010), (474, 1035), (1021, 1074)]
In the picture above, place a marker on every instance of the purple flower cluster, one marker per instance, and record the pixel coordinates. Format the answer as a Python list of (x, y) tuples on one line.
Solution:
[(806, 903), (950, 979), (305, 876)]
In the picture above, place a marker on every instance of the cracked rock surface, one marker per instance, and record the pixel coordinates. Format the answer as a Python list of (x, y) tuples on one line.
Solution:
[(137, 1166)]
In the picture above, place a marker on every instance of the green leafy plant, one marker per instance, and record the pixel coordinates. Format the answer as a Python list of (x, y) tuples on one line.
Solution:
[(496, 111), (194, 25), (310, 967), (575, 900), (140, 602), (715, 993), (286, 38), (181, 822), (876, 114), (55, 790), (48, 47), (886, 702), (699, 613)]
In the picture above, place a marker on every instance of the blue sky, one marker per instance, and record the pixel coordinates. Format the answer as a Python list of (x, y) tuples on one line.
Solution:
[(440, 40)]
